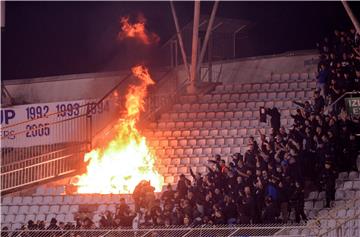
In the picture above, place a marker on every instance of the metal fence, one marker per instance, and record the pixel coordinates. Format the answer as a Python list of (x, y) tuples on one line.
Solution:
[(349, 228), (171, 231), (30, 171)]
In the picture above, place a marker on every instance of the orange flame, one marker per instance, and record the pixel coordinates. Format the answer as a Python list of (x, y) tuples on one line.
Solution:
[(137, 31), (126, 160)]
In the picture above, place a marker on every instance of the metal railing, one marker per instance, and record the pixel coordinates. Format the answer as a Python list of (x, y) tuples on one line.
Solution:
[(330, 107), (173, 231), (349, 227), (37, 172)]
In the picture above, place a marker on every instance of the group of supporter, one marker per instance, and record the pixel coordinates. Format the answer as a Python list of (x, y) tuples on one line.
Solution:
[(266, 184), (339, 66)]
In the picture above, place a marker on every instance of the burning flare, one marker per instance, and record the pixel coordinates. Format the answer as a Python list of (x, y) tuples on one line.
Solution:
[(125, 160), (137, 31)]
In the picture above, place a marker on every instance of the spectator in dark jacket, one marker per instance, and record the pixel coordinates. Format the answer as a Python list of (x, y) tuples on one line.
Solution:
[(275, 119), (327, 182)]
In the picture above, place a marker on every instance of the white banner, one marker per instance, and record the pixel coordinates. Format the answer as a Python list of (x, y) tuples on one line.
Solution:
[(50, 123)]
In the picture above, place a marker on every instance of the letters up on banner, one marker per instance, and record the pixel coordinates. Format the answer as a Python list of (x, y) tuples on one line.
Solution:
[(49, 123)]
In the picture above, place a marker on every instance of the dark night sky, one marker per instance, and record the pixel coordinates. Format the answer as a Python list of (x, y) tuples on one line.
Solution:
[(56, 38)]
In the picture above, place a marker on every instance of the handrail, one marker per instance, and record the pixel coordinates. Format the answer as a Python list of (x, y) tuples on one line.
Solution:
[(39, 156), (37, 164), (339, 225), (342, 96)]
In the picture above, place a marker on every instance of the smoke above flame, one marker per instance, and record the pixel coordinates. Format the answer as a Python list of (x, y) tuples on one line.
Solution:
[(126, 160), (137, 31)]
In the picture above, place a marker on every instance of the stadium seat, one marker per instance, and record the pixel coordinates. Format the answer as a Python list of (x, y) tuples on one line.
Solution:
[(17, 200), (27, 200), (54, 209), (60, 217), (30, 217), (13, 210), (353, 175), (10, 218), (6, 201), (20, 218), (294, 76), (44, 209), (4, 209), (23, 210), (37, 200)]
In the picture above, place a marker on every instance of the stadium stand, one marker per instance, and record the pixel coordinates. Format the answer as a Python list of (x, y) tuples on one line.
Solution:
[(228, 167)]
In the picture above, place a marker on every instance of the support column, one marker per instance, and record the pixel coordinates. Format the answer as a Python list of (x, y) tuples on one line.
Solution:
[(192, 87), (207, 35), (351, 16), (183, 54)]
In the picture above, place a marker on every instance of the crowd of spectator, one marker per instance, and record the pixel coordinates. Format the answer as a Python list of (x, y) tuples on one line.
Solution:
[(339, 66), (266, 183)]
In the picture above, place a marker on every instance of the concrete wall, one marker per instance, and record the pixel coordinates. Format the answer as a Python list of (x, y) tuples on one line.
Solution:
[(67, 87), (96, 85), (259, 69)]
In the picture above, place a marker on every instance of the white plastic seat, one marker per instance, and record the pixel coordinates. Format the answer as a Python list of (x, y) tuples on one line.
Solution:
[(23, 210), (308, 205), (294, 76), (74, 208), (47, 200), (37, 200), (30, 217), (27, 200), (54, 209), (33, 209), (44, 209), (69, 217), (60, 217), (304, 76), (246, 87), (68, 199), (271, 95), (343, 175), (17, 200), (319, 205), (341, 213), (321, 195), (4, 209), (339, 194), (13, 210), (348, 184), (16, 226), (40, 217), (353, 175), (265, 86), (197, 151), (49, 217), (19, 218), (6, 201), (293, 85), (64, 208), (349, 194), (10, 218), (274, 86), (356, 185)]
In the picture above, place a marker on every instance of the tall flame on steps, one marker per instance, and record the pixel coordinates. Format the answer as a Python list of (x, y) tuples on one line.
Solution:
[(126, 159)]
